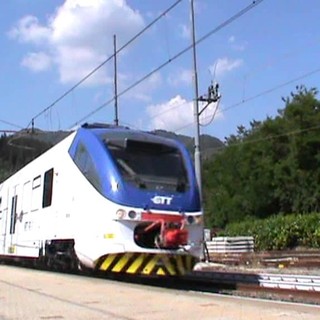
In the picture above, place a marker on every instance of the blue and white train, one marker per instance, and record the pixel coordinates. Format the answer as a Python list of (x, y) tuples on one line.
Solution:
[(105, 198)]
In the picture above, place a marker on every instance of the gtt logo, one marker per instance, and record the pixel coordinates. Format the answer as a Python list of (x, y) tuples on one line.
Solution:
[(161, 200)]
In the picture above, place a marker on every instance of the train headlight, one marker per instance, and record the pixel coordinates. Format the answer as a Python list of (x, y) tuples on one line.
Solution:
[(194, 219), (190, 219), (132, 214), (120, 214)]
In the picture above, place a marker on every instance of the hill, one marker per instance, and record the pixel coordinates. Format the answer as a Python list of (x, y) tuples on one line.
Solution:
[(209, 145), (20, 148)]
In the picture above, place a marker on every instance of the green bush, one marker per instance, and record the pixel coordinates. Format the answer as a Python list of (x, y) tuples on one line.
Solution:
[(280, 232)]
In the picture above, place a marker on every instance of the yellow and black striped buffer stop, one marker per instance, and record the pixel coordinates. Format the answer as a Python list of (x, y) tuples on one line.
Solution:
[(147, 264)]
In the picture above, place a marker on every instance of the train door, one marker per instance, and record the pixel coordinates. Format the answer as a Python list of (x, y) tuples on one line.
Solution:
[(13, 217), (30, 217), (1, 226), (48, 216), (26, 208), (3, 220), (48, 208), (7, 220), (24, 215), (63, 205), (34, 219)]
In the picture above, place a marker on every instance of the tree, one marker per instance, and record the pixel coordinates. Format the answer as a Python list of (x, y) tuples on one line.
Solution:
[(272, 167)]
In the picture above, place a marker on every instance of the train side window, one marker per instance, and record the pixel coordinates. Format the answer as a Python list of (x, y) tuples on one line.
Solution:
[(47, 188), (36, 193), (36, 182), (13, 218), (84, 162)]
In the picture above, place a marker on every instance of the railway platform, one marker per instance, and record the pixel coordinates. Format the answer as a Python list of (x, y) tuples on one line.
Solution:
[(34, 294)]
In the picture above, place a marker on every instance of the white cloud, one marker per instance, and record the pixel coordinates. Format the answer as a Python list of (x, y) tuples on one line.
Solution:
[(181, 77), (28, 30), (37, 61), (143, 91), (225, 65), (239, 47), (177, 114), (79, 35), (235, 45), (170, 115), (231, 39), (185, 31)]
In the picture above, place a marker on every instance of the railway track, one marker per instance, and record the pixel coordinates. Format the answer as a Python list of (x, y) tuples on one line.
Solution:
[(265, 280), (284, 287), (299, 259), (279, 287)]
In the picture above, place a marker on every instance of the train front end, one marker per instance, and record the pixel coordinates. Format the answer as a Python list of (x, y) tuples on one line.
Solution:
[(155, 218)]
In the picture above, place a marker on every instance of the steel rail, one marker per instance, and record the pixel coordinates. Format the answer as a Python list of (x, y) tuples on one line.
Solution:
[(265, 280)]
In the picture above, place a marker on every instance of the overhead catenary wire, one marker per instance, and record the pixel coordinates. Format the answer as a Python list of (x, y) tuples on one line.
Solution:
[(243, 101), (258, 95), (211, 116), (305, 75), (269, 137), (271, 63), (105, 61), (11, 124), (288, 133), (240, 13), (285, 56), (245, 76), (239, 103)]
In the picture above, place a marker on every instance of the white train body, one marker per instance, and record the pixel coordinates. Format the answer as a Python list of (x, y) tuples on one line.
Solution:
[(71, 206)]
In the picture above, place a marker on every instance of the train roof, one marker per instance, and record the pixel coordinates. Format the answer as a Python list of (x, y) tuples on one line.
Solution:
[(120, 134)]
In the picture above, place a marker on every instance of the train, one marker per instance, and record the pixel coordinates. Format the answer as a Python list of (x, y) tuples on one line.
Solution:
[(106, 198)]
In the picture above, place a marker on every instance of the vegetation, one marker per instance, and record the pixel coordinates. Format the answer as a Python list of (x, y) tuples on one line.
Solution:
[(266, 181), (280, 232), (18, 150), (273, 167)]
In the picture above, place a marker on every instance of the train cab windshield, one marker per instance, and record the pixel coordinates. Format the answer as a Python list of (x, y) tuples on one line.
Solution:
[(149, 165)]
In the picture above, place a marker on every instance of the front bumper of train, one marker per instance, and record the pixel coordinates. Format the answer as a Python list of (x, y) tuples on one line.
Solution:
[(147, 264)]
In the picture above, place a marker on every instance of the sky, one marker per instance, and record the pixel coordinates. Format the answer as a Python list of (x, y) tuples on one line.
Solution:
[(48, 48)]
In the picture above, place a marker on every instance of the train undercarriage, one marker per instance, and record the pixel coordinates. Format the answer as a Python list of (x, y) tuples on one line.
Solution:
[(60, 255)]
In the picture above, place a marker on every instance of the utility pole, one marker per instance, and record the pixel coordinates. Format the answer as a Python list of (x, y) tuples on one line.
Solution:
[(116, 120), (197, 152), (213, 96)]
